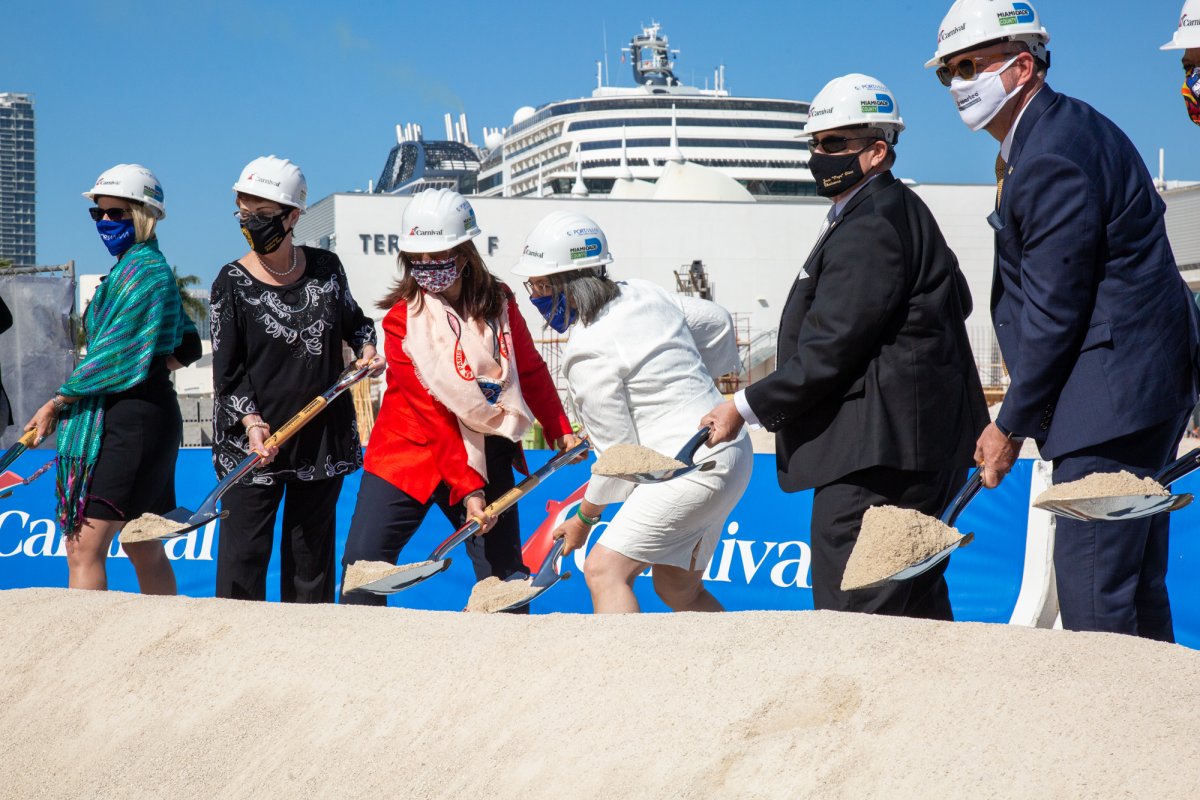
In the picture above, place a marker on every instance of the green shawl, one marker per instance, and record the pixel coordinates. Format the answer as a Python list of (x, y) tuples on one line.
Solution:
[(136, 314)]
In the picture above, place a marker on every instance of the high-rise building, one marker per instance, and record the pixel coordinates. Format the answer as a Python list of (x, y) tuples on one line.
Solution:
[(18, 227)]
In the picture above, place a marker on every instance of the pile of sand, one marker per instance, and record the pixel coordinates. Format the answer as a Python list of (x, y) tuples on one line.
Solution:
[(892, 539), (492, 594), (1104, 484), (114, 695), (360, 573), (631, 459), (149, 527)]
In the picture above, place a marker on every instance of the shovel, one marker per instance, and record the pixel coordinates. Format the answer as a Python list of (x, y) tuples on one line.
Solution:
[(437, 561), (188, 520), (1129, 506), (686, 455), (549, 574), (949, 516), (27, 440)]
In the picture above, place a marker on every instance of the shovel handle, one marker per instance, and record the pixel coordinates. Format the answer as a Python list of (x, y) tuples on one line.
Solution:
[(1178, 468), (965, 495), (289, 428), (29, 438)]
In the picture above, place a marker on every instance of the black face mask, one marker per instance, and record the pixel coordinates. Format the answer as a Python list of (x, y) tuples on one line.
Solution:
[(835, 173), (265, 236)]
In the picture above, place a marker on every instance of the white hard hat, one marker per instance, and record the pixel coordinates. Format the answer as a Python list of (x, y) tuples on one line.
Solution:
[(971, 23), (436, 220), (1188, 33), (131, 182), (853, 99), (275, 179), (563, 242)]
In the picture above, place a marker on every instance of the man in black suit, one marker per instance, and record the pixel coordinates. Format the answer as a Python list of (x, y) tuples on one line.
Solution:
[(1096, 325), (875, 399)]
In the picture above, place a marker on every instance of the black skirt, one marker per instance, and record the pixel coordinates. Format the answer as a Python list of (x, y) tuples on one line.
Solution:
[(143, 429)]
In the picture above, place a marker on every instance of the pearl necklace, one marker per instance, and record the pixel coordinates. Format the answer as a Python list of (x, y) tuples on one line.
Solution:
[(289, 271)]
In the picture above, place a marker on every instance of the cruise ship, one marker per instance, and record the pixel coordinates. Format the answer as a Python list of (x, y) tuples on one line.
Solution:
[(617, 142)]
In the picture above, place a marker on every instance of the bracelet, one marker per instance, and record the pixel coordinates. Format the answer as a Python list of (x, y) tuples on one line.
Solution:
[(254, 425), (59, 404), (585, 519), (477, 493)]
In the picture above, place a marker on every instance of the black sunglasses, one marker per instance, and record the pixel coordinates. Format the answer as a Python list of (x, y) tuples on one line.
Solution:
[(115, 214), (837, 144), (542, 287), (969, 68)]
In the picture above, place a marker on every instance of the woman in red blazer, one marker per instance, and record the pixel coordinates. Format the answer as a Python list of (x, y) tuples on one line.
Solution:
[(464, 383)]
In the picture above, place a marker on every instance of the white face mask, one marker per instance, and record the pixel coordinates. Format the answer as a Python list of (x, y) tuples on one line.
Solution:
[(980, 100)]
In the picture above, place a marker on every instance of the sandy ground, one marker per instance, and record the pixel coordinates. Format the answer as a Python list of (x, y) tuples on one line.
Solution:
[(113, 695)]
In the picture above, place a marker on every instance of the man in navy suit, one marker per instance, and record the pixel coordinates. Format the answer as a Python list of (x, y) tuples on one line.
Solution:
[(1097, 328)]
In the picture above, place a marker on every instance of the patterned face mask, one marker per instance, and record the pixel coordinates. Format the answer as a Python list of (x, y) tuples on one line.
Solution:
[(1191, 94), (435, 277)]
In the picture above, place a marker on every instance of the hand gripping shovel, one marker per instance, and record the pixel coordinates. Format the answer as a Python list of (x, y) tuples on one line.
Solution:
[(686, 455), (437, 561), (1129, 506), (187, 520), (949, 517)]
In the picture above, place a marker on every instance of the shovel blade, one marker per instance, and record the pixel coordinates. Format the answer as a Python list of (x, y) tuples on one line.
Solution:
[(1108, 509), (399, 581)]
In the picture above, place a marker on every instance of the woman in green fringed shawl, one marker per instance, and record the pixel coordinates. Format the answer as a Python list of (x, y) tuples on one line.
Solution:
[(117, 418)]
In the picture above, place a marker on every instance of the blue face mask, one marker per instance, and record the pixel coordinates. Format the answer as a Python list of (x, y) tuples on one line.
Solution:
[(554, 308), (117, 236)]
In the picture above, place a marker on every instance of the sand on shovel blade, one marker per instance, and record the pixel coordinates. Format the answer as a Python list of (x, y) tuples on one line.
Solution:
[(1104, 484), (360, 573), (632, 459), (892, 539), (492, 594), (148, 527)]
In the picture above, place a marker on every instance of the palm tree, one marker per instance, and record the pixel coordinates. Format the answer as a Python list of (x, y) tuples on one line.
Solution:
[(5, 263), (192, 306)]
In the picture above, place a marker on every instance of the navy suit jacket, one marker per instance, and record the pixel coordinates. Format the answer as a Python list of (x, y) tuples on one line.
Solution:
[(1096, 325)]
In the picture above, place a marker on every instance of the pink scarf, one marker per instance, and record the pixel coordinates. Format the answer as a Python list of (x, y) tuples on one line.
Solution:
[(467, 366)]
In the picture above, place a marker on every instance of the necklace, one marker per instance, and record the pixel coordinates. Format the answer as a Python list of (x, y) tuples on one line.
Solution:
[(288, 271)]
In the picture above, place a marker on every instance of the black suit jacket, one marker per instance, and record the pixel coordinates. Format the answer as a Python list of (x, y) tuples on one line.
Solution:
[(874, 364)]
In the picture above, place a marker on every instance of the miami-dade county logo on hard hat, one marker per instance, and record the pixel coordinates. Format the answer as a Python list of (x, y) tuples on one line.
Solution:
[(591, 247), (882, 104), (153, 191), (1021, 13)]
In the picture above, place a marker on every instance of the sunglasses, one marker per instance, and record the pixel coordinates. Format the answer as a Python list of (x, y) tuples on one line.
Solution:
[(258, 219), (969, 68), (540, 287), (836, 144), (115, 214)]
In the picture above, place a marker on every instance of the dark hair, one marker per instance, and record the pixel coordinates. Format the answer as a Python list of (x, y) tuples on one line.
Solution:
[(483, 295), (588, 291)]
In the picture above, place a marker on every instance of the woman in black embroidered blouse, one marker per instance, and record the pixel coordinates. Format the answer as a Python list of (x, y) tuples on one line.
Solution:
[(280, 315)]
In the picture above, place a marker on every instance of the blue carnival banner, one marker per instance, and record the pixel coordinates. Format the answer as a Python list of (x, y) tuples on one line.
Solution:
[(761, 563)]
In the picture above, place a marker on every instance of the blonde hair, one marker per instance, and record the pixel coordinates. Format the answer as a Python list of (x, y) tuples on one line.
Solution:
[(144, 221)]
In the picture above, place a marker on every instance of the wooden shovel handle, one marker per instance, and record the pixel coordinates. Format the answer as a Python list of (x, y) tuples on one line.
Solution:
[(29, 439), (508, 499), (297, 422)]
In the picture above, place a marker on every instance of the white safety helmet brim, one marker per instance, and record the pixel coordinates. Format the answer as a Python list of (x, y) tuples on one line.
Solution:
[(564, 241), (130, 182), (436, 220)]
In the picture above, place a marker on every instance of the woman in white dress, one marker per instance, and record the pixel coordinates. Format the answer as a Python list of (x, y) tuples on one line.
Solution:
[(639, 366)]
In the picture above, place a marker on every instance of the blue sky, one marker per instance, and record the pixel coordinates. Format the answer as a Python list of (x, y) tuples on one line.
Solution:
[(195, 90)]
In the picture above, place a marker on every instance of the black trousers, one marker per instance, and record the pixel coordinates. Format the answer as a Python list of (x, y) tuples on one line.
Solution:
[(837, 514), (385, 518), (1112, 576), (307, 565)]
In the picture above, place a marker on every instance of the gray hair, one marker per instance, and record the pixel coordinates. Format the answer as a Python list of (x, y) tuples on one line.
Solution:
[(588, 291)]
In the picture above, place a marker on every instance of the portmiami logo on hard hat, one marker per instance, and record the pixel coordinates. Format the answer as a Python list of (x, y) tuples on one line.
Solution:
[(583, 231), (882, 104), (418, 231), (591, 247), (1021, 13)]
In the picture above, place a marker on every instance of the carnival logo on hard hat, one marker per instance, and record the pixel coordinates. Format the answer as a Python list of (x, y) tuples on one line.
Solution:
[(1020, 14), (943, 35), (534, 253), (819, 112), (1184, 22), (882, 104), (418, 231)]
